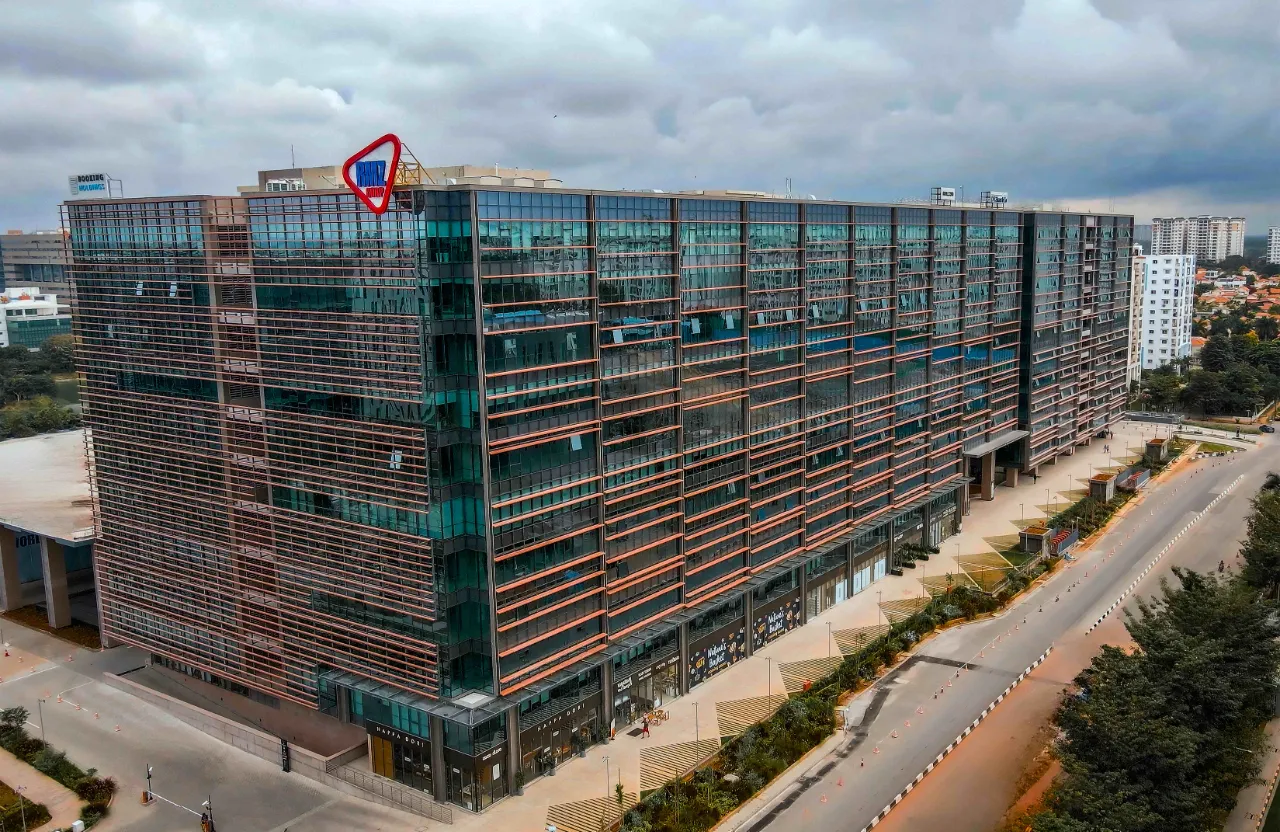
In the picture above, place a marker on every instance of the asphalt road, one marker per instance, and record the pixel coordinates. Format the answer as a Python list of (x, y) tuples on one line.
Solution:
[(855, 781)]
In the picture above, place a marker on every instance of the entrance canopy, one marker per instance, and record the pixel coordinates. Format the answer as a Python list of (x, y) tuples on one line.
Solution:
[(1000, 441)]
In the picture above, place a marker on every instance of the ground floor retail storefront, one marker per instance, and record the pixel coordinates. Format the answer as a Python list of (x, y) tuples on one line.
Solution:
[(560, 722), (478, 749), (645, 678)]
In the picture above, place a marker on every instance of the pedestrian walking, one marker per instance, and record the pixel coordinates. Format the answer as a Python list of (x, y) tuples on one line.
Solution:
[(644, 727)]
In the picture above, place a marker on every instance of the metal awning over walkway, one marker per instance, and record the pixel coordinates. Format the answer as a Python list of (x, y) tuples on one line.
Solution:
[(995, 444)]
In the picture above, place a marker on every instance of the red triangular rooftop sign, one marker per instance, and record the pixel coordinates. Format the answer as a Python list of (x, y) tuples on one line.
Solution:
[(372, 172)]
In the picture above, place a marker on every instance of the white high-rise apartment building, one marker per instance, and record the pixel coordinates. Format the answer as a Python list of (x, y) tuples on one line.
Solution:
[(1273, 245), (1168, 300), (1204, 237)]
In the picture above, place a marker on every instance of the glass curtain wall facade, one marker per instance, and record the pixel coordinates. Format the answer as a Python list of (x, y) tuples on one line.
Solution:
[(1077, 284), (500, 461)]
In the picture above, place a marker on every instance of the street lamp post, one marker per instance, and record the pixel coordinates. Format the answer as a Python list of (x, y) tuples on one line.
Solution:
[(148, 781), (830, 638), (879, 601), (1022, 507), (768, 672), (697, 734), (40, 711), (22, 809), (608, 783)]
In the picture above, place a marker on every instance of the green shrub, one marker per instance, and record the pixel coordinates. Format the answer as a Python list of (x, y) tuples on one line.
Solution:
[(93, 812), (96, 789), (11, 817)]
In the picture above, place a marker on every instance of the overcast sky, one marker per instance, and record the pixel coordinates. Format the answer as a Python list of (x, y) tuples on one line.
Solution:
[(1148, 106)]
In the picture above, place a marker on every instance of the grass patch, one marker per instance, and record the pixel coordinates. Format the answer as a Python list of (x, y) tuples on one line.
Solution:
[(12, 815), (1017, 557), (1215, 448), (81, 635), (1226, 426)]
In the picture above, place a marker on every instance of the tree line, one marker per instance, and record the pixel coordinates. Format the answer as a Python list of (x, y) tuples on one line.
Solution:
[(27, 388), (1238, 375), (1165, 735)]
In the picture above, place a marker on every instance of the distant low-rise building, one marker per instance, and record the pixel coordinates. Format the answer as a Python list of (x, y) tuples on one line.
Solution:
[(29, 317), (35, 258)]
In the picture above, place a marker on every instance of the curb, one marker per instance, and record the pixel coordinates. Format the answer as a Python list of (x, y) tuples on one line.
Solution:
[(1266, 804), (1164, 551), (956, 742)]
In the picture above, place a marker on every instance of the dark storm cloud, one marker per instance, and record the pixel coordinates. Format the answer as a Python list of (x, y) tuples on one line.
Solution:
[(1153, 105)]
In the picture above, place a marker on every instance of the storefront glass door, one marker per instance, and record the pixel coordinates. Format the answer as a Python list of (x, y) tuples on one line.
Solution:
[(862, 579)]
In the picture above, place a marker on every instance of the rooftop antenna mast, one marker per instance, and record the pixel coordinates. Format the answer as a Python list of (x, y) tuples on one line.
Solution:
[(293, 162)]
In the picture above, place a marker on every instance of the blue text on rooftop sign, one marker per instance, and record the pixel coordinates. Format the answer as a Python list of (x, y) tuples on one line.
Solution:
[(370, 174)]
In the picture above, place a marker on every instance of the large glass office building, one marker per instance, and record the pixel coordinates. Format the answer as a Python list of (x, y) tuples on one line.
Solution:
[(494, 473)]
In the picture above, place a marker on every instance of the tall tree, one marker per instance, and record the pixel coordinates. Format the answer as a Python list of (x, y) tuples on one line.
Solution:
[(1261, 549), (58, 354), (1266, 327), (1218, 353)]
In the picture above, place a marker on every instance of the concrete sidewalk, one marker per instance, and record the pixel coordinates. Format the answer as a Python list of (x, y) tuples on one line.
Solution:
[(61, 802), (577, 797)]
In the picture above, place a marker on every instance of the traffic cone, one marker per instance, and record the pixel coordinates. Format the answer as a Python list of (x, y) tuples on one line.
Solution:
[(840, 782), (908, 725), (863, 764), (95, 714), (78, 707), (59, 700), (117, 729), (875, 750), (894, 733), (948, 683), (919, 710)]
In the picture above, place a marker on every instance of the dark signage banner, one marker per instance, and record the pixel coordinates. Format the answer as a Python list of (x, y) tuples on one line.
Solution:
[(716, 655), (774, 623), (393, 735)]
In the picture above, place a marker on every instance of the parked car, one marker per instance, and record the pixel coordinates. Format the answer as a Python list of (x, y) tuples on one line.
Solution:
[(1267, 429)]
